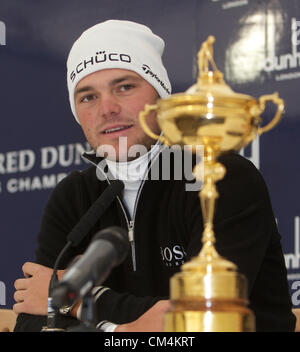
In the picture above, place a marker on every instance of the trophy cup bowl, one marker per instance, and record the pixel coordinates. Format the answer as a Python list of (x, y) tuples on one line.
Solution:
[(209, 294)]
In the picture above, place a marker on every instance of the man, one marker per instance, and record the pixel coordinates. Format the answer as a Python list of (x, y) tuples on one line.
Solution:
[(114, 69)]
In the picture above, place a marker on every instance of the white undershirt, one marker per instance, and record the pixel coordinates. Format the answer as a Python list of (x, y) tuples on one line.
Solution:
[(132, 174)]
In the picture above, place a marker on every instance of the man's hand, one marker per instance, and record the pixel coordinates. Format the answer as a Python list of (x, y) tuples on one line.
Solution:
[(32, 292), (151, 321)]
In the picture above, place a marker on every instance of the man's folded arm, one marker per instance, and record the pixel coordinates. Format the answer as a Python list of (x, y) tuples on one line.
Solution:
[(118, 308)]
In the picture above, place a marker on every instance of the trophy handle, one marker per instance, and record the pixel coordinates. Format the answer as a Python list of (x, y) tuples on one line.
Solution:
[(142, 117), (280, 108)]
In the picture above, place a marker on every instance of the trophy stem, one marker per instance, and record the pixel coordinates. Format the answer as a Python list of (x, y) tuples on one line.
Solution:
[(213, 172)]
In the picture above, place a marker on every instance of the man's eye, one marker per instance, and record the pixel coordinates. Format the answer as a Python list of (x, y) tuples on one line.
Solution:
[(87, 98), (126, 87)]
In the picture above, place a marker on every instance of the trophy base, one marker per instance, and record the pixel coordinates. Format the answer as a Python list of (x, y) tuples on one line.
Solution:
[(240, 320)]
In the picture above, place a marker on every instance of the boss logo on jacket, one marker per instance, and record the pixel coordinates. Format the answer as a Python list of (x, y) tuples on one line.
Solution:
[(173, 255)]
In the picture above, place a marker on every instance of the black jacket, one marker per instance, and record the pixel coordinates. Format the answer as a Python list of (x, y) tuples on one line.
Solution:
[(167, 232)]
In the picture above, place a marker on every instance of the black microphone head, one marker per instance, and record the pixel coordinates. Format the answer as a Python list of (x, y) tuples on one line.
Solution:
[(119, 239)]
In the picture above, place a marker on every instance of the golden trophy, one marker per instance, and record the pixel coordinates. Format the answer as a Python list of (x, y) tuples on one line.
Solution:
[(209, 294)]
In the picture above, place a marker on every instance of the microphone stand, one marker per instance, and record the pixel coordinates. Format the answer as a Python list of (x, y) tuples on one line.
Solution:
[(52, 311)]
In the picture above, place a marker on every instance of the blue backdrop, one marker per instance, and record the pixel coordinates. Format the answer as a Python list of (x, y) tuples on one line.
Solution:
[(257, 44)]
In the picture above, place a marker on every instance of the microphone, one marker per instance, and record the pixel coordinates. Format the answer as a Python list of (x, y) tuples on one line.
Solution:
[(78, 233), (108, 249)]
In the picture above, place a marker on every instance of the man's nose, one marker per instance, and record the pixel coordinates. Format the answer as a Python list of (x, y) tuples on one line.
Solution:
[(109, 106)]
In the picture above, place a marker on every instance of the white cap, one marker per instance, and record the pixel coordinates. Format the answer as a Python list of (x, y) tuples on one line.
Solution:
[(118, 44)]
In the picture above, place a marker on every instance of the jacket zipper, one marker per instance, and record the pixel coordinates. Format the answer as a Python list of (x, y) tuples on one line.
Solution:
[(132, 245), (130, 223), (131, 227)]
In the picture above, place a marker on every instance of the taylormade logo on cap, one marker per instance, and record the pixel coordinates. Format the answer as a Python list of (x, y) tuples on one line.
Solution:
[(147, 70), (118, 44)]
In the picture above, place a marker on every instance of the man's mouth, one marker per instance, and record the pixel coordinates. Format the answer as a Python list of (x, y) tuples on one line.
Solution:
[(116, 129)]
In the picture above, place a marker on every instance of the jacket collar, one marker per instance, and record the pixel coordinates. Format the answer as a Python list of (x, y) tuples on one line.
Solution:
[(91, 157)]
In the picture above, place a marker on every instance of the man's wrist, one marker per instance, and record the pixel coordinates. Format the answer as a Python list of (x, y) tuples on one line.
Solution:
[(120, 328)]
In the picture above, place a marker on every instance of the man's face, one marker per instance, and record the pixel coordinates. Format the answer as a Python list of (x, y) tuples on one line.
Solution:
[(108, 103)]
